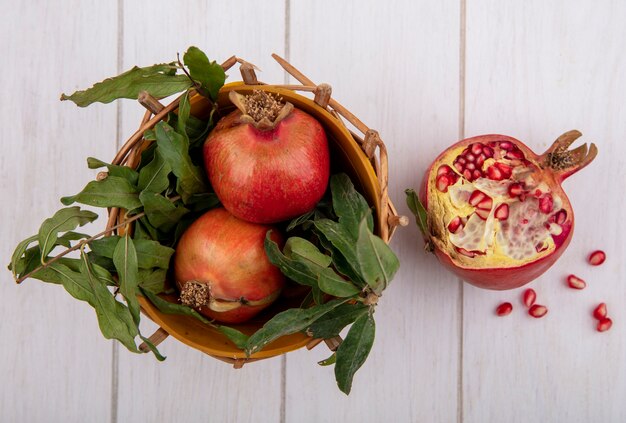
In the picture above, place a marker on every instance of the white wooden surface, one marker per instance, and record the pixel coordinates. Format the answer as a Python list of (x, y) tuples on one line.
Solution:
[(423, 73)]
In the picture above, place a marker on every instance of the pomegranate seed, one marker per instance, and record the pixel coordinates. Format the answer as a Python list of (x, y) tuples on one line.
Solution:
[(454, 224), (482, 213), (514, 155), (442, 183), (600, 311), (546, 204), (458, 166), (470, 157), (561, 216), (476, 197), (444, 170), (575, 282), (485, 204), (537, 311), (470, 166), (529, 297), (604, 324), (504, 309), (538, 193), (488, 152), (505, 145), (465, 252), (477, 174), (506, 170), (494, 173), (522, 197), (461, 160), (476, 149), (468, 174), (597, 258), (502, 212), (555, 229), (515, 189)]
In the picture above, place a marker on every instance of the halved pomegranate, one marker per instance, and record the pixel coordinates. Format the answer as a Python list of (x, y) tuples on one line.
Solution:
[(496, 213)]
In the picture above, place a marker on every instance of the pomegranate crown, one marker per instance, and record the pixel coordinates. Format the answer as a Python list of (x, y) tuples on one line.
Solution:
[(261, 109)]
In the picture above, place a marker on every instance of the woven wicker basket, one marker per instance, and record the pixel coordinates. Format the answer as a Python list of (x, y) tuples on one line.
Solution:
[(363, 157)]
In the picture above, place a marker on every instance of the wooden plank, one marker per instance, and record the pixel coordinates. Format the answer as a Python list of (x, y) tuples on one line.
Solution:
[(55, 364), (189, 385), (535, 70), (392, 67)]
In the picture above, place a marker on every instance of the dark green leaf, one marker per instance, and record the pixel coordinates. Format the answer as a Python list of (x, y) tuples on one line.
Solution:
[(237, 338), (152, 280), (287, 322), (350, 206), (158, 80), (417, 208), (340, 242), (300, 220), (114, 170), (333, 284), (300, 249), (332, 323), (19, 252), (378, 263), (161, 212), (166, 307), (112, 191), (174, 149), (149, 253), (209, 74), (154, 176), (353, 351), (297, 271), (65, 219), (153, 348), (125, 260), (144, 230), (329, 361), (67, 238), (203, 201), (184, 110)]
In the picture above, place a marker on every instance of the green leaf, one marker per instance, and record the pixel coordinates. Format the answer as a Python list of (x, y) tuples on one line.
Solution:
[(161, 212), (378, 263), (149, 253), (19, 252), (63, 220), (174, 148), (418, 209), (342, 245), (184, 110), (333, 284), (301, 249), (300, 220), (112, 191), (153, 348), (332, 323), (114, 318), (350, 206), (114, 170), (152, 280), (202, 202), (154, 176), (67, 238), (329, 361), (297, 271), (158, 80), (237, 338), (209, 74), (166, 307), (287, 322), (353, 351), (125, 260)]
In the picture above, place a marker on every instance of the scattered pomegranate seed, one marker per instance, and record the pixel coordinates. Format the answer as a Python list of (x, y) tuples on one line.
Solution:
[(597, 258), (504, 309), (476, 197), (515, 189), (454, 225), (575, 282), (529, 297), (600, 311), (538, 311), (546, 204), (604, 324), (485, 204), (483, 213), (502, 212)]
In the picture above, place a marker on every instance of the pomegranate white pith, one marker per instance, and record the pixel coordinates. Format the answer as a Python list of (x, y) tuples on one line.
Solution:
[(497, 214)]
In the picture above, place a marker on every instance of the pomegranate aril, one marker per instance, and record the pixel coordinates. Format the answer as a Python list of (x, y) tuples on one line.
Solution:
[(454, 224), (442, 183), (480, 160), (470, 166), (555, 229), (476, 197), (505, 145), (515, 189), (504, 309), (575, 282), (476, 149), (546, 204), (597, 258), (537, 311), (445, 170), (506, 170), (600, 311), (470, 157), (458, 166), (494, 173), (461, 160), (482, 213), (561, 216), (477, 174), (514, 155), (529, 297), (488, 152), (467, 174), (502, 212), (604, 324)]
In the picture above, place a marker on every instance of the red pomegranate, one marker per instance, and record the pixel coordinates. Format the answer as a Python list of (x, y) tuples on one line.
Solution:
[(497, 214), (221, 268), (267, 161)]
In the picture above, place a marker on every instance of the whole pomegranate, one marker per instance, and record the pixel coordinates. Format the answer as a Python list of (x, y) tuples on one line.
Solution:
[(267, 161), (497, 215), (221, 268)]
